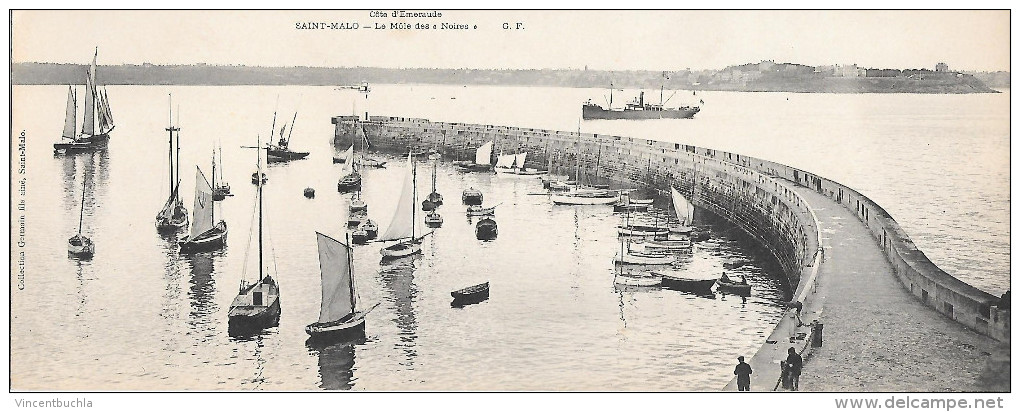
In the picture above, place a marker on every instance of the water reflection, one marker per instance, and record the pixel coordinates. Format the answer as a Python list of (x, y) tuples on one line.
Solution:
[(336, 363), (398, 280), (202, 293)]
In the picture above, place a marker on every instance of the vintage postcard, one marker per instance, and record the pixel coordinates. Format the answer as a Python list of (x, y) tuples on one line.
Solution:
[(433, 200)]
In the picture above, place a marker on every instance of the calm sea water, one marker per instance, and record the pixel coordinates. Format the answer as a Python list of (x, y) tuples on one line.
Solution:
[(140, 316)]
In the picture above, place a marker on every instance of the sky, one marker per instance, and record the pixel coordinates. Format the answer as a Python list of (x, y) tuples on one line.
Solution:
[(604, 40)]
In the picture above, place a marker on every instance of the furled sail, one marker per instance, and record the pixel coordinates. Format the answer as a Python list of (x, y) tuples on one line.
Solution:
[(519, 159), (168, 208), (69, 115), (483, 154), (106, 107), (684, 209), (504, 161), (203, 212), (402, 225), (334, 265)]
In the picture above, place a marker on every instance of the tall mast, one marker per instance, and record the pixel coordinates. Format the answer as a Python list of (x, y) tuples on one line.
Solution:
[(214, 185), (434, 165), (350, 267), (414, 194), (177, 160), (292, 121), (81, 215), (170, 153), (258, 178), (610, 95)]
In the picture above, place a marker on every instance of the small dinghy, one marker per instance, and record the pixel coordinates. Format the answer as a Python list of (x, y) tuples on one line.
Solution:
[(309, 192), (735, 284), (486, 229), (470, 294)]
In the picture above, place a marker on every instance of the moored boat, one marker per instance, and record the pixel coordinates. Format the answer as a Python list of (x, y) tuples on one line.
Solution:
[(205, 234), (339, 316), (174, 215), (79, 245), (482, 163), (486, 229), (221, 189), (97, 122), (735, 284), (641, 230), (471, 294), (281, 152), (257, 305), (472, 196), (433, 219), (357, 203), (631, 278), (403, 225), (478, 210), (309, 192), (687, 282)]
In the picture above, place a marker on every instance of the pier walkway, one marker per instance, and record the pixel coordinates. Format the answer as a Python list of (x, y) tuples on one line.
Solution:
[(876, 335)]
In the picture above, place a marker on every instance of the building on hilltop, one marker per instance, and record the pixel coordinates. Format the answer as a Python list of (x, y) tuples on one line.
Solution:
[(941, 67)]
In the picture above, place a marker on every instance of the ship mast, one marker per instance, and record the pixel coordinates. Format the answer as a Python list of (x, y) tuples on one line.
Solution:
[(170, 155), (258, 178), (81, 215)]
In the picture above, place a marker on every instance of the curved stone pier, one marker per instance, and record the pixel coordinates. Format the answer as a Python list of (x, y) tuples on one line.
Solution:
[(893, 321)]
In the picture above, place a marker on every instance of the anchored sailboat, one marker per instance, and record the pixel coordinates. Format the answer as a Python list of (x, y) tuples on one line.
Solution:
[(80, 246), (174, 215), (221, 189), (97, 123), (205, 234), (403, 226), (338, 313), (483, 161), (281, 151), (257, 305), (351, 179), (434, 199)]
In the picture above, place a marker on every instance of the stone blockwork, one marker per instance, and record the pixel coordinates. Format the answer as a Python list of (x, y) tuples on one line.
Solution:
[(747, 191)]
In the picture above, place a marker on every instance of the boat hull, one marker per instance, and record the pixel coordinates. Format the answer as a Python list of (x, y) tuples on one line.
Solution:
[(355, 327), (486, 229), (628, 279), (644, 259), (434, 220), (349, 183), (641, 231), (594, 112), (470, 295), (472, 198), (400, 250), (214, 239), (474, 168), (508, 172), (84, 250), (736, 288), (284, 155), (246, 319), (83, 143), (583, 199), (170, 225), (687, 284)]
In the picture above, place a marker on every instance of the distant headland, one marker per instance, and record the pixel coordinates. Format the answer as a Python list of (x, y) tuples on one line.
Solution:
[(765, 76)]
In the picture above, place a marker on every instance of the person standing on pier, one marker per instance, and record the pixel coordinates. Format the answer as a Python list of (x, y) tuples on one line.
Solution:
[(795, 363), (743, 372)]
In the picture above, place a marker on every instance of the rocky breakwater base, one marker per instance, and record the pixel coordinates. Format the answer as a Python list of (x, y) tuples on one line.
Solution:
[(829, 240)]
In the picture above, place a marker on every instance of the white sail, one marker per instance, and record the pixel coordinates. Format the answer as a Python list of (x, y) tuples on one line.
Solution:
[(334, 265), (684, 208), (348, 157), (504, 161), (483, 154), (520, 158), (69, 116), (88, 126), (203, 212), (402, 225)]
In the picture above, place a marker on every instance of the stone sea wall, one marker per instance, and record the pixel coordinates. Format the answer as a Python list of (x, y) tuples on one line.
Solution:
[(747, 191)]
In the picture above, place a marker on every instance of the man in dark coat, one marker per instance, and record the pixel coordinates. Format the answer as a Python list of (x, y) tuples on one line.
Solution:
[(795, 363), (743, 372)]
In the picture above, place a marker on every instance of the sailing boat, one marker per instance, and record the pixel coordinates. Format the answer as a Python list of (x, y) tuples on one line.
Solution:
[(205, 235), (257, 305), (281, 151), (80, 246), (517, 168), (174, 215), (403, 225), (351, 179), (98, 121), (630, 277), (338, 313), (221, 189), (585, 196), (482, 160), (684, 212), (434, 199)]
